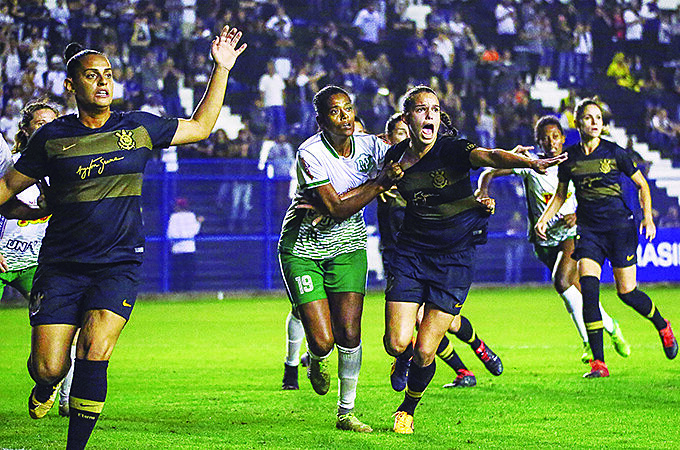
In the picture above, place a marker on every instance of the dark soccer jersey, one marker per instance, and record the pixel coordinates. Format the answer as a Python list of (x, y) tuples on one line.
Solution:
[(597, 179), (95, 184), (441, 212)]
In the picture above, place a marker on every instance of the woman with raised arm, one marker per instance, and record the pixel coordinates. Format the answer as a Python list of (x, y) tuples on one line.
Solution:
[(89, 264)]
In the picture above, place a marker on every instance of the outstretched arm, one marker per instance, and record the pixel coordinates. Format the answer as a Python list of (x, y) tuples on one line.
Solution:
[(647, 224), (202, 121), (503, 159)]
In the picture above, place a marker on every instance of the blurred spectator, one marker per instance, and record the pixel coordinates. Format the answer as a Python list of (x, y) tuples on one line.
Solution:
[(140, 40), (183, 226), (486, 125), (219, 144), (633, 23), (514, 248), (272, 88), (235, 197), (171, 78), (506, 24), (370, 22), (664, 133), (280, 24), (671, 219), (619, 69), (279, 155)]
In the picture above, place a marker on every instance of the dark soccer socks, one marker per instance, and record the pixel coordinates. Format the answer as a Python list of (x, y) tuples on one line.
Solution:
[(467, 334), (592, 317), (644, 306), (418, 380), (88, 393), (447, 353)]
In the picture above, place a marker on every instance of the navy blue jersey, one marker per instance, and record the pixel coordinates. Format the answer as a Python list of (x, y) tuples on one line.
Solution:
[(95, 184), (597, 179), (441, 213)]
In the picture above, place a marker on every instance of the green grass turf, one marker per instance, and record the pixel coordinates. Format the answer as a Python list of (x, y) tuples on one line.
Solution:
[(207, 374)]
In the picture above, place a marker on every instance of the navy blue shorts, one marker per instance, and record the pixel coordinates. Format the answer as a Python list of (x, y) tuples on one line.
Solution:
[(619, 245), (62, 293), (443, 280)]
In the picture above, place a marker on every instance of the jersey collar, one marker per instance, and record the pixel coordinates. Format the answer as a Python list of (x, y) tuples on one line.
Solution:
[(330, 148)]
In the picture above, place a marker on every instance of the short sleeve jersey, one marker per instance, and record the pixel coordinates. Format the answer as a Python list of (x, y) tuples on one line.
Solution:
[(317, 163), (597, 178), (95, 184), (441, 212), (539, 189), (20, 240)]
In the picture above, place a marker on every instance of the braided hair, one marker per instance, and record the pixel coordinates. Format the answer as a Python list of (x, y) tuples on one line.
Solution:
[(27, 114)]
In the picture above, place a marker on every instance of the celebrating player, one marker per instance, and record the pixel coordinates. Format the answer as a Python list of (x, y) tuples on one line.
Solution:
[(555, 252), (606, 228), (435, 249), (323, 257), (88, 270)]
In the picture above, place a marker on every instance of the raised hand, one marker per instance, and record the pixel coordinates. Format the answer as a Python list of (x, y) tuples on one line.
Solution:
[(223, 49), (541, 165)]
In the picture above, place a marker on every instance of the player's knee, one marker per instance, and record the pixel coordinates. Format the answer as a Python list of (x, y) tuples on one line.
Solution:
[(320, 346), (394, 346), (561, 283), (423, 357), (98, 350), (48, 371)]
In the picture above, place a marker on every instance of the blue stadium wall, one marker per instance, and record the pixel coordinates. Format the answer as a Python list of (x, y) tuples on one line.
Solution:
[(236, 249)]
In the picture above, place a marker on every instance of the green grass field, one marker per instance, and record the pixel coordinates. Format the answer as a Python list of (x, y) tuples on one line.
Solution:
[(207, 374)]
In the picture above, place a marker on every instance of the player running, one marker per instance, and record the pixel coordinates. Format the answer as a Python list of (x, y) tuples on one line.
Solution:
[(555, 252), (606, 228)]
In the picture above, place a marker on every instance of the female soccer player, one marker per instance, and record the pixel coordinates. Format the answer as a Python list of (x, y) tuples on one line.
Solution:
[(88, 270), (606, 228), (323, 262), (443, 224), (555, 252), (390, 217)]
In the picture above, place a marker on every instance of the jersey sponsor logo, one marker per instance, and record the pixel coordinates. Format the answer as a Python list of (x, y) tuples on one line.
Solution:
[(97, 164), (126, 140), (139, 249), (420, 198), (20, 246), (605, 166), (66, 147), (587, 182), (439, 179), (25, 223)]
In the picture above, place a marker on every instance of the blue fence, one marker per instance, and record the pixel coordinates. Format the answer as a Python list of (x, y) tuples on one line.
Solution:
[(243, 209)]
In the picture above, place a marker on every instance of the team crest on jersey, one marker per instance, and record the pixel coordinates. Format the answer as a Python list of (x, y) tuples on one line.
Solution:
[(126, 140), (605, 165), (439, 179), (365, 164)]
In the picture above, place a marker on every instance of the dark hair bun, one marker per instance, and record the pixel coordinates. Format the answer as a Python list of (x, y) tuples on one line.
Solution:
[(72, 49)]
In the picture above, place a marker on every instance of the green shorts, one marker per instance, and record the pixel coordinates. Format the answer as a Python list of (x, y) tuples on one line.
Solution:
[(21, 280), (308, 280)]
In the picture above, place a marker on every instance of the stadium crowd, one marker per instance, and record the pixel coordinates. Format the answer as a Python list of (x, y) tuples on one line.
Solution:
[(480, 57)]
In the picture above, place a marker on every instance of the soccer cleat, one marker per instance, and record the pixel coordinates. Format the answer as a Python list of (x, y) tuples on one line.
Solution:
[(350, 422), (319, 375), (465, 378), (670, 344), (290, 378), (598, 369), (304, 360), (620, 344), (38, 410), (587, 355), (399, 373), (403, 423), (64, 408), (491, 361)]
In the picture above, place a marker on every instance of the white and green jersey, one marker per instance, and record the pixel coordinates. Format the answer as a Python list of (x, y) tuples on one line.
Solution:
[(20, 240), (317, 163), (539, 189)]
